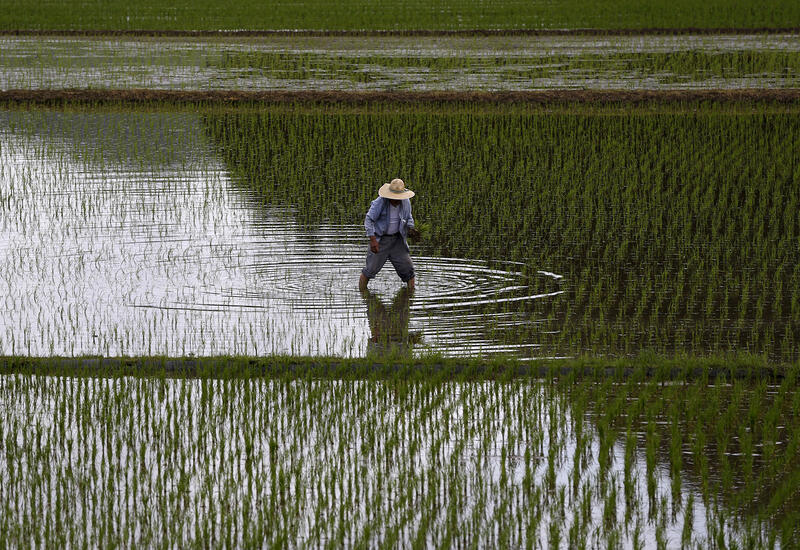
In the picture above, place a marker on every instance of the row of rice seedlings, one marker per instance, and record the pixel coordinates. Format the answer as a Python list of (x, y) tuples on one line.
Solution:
[(361, 15), (135, 461), (674, 232), (336, 63), (735, 442), (495, 68)]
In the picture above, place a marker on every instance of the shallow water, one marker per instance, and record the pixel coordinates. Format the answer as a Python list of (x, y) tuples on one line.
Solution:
[(123, 234), (399, 63)]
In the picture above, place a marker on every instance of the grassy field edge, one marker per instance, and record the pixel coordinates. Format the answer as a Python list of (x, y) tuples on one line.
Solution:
[(645, 31), (646, 366), (436, 101)]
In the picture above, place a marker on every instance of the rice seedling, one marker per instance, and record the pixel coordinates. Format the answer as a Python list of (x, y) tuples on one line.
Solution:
[(724, 467)]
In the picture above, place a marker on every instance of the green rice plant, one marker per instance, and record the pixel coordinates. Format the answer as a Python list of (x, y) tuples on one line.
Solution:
[(243, 440)]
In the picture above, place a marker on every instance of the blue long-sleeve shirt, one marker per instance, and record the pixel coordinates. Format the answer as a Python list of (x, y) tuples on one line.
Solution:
[(377, 220)]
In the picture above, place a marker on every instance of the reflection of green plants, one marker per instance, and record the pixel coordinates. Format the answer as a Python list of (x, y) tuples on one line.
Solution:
[(439, 454), (718, 436)]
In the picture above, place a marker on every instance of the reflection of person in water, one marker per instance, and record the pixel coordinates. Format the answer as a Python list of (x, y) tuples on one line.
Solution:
[(389, 326)]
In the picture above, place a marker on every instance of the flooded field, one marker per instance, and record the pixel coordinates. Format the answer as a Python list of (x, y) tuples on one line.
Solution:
[(324, 463), (205, 233), (124, 234), (488, 63)]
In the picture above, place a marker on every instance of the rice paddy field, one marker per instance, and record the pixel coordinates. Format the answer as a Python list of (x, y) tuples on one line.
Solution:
[(565, 231), (602, 347), (223, 231)]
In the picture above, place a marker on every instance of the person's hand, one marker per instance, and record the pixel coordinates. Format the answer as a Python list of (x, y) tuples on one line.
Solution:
[(373, 244), (414, 234)]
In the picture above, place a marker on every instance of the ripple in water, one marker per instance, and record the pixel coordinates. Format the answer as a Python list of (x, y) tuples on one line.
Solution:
[(456, 305)]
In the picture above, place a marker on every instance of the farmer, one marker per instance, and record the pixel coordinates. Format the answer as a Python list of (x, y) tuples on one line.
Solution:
[(388, 222)]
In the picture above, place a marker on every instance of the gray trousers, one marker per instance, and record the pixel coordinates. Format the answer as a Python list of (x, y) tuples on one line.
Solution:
[(393, 248)]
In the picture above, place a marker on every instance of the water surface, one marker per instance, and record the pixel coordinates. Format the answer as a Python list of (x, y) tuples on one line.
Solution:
[(124, 234)]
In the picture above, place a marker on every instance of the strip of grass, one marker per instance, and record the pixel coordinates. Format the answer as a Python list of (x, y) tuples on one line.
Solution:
[(645, 366), (690, 65), (397, 15), (589, 102)]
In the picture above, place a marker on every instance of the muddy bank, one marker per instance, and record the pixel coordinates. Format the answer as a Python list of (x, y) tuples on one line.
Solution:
[(51, 97), (410, 32)]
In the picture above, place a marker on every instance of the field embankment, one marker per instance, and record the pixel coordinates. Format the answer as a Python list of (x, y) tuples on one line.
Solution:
[(644, 367), (300, 33), (598, 98)]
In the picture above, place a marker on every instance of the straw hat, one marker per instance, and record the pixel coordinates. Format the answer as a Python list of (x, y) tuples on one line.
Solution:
[(395, 189)]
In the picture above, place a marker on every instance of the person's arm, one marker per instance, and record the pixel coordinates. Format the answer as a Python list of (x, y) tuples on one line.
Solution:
[(410, 229), (369, 223)]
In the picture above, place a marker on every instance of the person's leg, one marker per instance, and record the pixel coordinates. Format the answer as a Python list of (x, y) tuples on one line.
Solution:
[(401, 260), (374, 264)]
